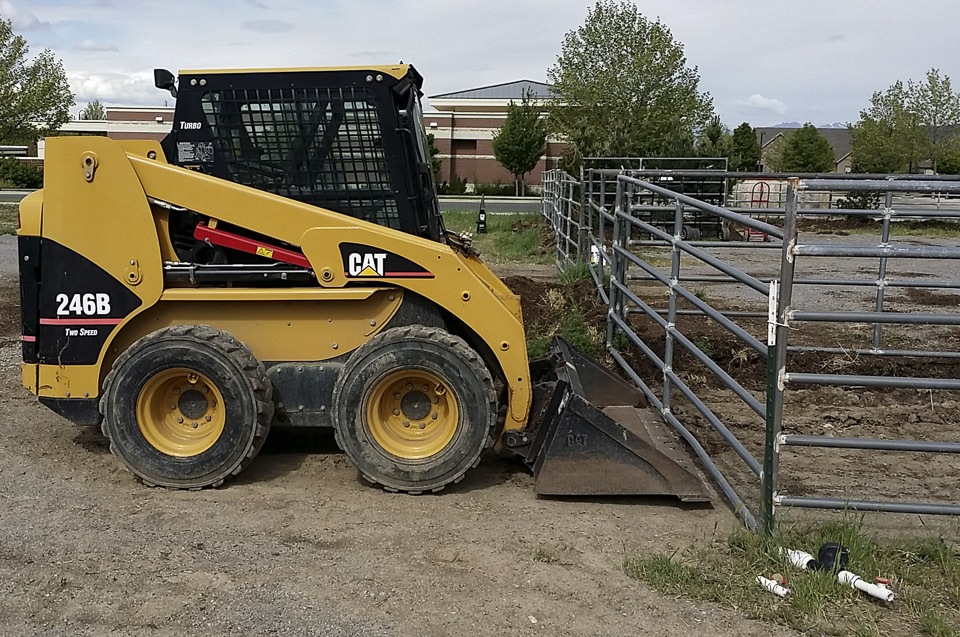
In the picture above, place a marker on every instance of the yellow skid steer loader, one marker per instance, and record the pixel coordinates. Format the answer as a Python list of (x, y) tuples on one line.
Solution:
[(280, 259)]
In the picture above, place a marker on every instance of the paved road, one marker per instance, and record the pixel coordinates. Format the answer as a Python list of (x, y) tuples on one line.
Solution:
[(13, 195), (505, 204)]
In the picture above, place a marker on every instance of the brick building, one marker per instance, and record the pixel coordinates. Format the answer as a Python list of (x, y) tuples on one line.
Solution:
[(122, 122), (463, 126)]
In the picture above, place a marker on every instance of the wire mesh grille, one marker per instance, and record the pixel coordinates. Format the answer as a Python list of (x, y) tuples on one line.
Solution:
[(320, 146)]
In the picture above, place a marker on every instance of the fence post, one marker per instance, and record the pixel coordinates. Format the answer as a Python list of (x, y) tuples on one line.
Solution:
[(882, 274), (583, 220), (777, 336), (615, 304), (672, 305)]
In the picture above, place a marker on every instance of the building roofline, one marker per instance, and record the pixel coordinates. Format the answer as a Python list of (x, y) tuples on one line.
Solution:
[(144, 109), (483, 88)]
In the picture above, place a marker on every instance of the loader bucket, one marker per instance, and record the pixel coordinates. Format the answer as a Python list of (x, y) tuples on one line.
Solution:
[(591, 433)]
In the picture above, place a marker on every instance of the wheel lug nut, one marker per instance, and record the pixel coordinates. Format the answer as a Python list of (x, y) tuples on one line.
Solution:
[(425, 388), (206, 389), (396, 412), (409, 386), (436, 401), (179, 418), (434, 416), (396, 396), (177, 391), (172, 406), (406, 423), (423, 425), (195, 425), (207, 418)]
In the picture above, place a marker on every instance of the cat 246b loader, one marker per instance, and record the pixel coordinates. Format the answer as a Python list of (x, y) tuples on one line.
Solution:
[(280, 259)]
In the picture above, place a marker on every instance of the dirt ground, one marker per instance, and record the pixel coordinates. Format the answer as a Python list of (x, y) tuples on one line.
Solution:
[(299, 546)]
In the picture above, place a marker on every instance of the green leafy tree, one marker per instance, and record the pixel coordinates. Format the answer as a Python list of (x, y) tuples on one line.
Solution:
[(623, 87), (950, 164), (435, 162), (888, 137), (806, 151), (522, 140), (715, 140), (35, 97), (908, 124), (94, 110), (745, 153), (938, 110)]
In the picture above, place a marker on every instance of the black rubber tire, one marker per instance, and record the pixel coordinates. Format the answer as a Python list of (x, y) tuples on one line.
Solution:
[(237, 374), (445, 355)]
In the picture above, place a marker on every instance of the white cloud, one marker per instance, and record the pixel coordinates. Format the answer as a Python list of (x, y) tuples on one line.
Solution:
[(764, 103), (90, 45), (21, 19), (136, 89)]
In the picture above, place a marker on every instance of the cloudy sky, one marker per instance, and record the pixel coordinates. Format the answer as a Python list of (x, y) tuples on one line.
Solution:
[(763, 61)]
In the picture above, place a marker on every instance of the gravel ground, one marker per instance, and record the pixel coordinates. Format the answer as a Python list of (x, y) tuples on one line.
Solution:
[(8, 254), (297, 545)]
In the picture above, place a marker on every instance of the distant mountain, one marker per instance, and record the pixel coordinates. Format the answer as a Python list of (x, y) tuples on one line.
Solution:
[(799, 125)]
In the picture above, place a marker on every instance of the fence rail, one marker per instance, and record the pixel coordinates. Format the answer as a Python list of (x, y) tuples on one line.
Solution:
[(639, 239)]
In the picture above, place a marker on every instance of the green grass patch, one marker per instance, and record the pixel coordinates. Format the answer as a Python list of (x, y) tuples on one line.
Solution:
[(8, 218), (933, 228), (563, 312), (924, 573), (574, 273), (513, 238)]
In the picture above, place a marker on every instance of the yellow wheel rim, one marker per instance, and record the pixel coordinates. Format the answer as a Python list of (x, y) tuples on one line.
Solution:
[(180, 412), (412, 414)]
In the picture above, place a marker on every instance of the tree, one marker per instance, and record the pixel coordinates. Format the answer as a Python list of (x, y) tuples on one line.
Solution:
[(938, 110), (522, 139), (888, 137), (807, 151), (35, 97), (907, 124), (94, 110), (622, 86), (950, 163), (435, 162), (745, 154), (714, 140)]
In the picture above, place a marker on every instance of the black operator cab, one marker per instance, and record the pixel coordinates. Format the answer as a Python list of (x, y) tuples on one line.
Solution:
[(348, 139)]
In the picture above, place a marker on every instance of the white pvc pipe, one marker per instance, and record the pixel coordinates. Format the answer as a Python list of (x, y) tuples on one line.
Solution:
[(772, 586), (800, 559), (855, 581)]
